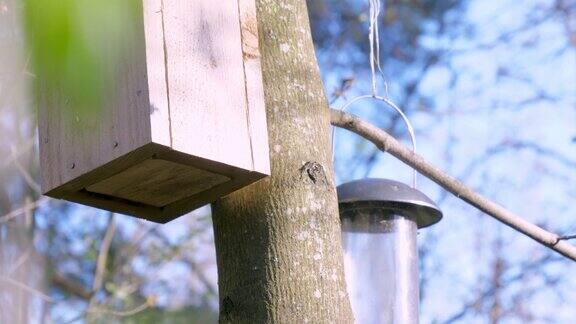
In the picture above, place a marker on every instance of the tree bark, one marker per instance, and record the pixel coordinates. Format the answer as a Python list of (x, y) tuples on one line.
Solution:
[(278, 241)]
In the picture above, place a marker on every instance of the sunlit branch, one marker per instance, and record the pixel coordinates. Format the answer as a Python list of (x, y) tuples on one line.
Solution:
[(387, 143), (103, 254)]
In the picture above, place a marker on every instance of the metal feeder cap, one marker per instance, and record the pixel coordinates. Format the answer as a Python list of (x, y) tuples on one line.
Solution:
[(388, 195)]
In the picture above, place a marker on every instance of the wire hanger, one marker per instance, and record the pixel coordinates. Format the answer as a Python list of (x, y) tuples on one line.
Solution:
[(375, 69)]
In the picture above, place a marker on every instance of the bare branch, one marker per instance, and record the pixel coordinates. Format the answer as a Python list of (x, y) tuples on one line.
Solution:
[(24, 148), (124, 313), (24, 209), (103, 254), (387, 143), (71, 286), (28, 289), (25, 174), (128, 253)]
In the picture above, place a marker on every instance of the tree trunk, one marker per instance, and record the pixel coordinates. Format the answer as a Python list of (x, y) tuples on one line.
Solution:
[(278, 241)]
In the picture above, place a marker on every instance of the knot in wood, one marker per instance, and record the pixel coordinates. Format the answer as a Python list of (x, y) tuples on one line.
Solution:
[(249, 30), (315, 172)]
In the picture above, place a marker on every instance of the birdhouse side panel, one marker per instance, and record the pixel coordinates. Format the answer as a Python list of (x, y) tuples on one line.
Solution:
[(254, 87), (74, 141), (206, 82), (182, 120), (156, 73)]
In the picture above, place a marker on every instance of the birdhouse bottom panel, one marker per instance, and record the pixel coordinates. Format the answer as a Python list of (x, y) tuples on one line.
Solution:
[(156, 183)]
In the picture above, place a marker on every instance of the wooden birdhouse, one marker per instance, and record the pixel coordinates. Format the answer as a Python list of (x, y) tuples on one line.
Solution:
[(182, 124)]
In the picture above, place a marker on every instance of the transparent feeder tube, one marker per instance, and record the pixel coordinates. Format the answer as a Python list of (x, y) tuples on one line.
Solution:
[(381, 263)]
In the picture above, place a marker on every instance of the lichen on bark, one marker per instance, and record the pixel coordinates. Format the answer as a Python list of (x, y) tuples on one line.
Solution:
[(278, 241)]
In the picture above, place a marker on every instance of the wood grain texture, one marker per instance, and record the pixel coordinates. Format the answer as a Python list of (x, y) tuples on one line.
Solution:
[(76, 190), (206, 81), (157, 182), (156, 73), (257, 124), (72, 144)]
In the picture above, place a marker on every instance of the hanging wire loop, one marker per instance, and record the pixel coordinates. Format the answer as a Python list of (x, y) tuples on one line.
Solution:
[(391, 104), (375, 69)]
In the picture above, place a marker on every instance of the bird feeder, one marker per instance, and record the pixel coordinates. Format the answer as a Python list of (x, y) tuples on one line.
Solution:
[(183, 122), (380, 219)]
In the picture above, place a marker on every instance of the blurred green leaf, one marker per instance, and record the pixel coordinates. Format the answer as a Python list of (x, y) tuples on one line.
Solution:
[(75, 46)]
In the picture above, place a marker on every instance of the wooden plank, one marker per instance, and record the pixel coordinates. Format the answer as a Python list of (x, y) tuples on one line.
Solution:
[(107, 170), (254, 86), (71, 144), (157, 182), (156, 72), (75, 190), (208, 110), (182, 206)]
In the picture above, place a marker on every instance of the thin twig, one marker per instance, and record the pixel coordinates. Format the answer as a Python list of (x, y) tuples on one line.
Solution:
[(191, 263), (17, 212), (103, 254), (101, 262), (133, 287), (20, 261), (28, 289), (128, 253), (142, 307), (387, 143), (71, 286), (28, 178), (124, 313), (23, 149)]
